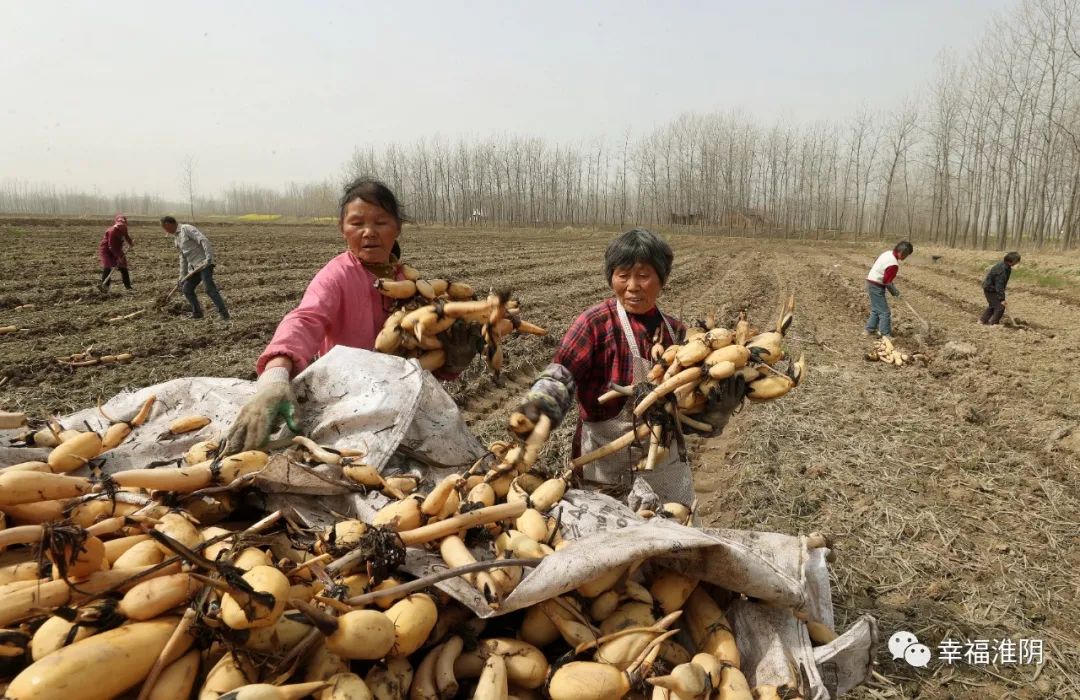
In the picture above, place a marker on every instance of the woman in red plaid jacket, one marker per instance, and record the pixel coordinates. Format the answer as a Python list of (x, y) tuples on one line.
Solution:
[(609, 343)]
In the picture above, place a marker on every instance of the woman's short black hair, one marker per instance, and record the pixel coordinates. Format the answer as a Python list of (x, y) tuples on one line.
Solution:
[(1012, 257), (168, 220), (639, 246), (373, 192), (904, 247)]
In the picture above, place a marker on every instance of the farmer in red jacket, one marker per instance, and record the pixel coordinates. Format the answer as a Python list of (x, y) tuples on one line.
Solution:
[(879, 279), (111, 251)]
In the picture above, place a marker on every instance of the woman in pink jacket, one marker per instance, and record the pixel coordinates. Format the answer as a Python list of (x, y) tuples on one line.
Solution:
[(111, 252), (340, 307)]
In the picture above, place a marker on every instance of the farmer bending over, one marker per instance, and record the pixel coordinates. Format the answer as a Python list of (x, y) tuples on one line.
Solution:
[(610, 343), (111, 252), (340, 307), (881, 278), (997, 278), (196, 265)]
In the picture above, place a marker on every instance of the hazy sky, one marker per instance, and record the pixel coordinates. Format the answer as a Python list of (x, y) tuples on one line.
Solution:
[(114, 94)]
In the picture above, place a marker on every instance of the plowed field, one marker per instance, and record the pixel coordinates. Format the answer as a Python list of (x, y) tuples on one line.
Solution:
[(951, 491)]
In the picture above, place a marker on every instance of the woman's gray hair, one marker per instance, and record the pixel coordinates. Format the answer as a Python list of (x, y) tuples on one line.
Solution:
[(639, 246)]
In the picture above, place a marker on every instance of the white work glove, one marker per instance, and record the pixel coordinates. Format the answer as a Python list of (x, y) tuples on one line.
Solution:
[(273, 399)]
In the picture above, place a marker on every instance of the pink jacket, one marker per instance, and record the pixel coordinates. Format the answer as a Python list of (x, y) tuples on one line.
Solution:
[(340, 307), (111, 248)]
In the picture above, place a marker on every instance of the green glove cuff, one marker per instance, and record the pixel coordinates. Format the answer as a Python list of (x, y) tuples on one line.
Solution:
[(287, 410)]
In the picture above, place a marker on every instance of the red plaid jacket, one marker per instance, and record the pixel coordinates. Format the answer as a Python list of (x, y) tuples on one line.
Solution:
[(594, 349)]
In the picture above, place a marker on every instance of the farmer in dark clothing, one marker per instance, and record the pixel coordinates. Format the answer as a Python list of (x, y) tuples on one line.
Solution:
[(111, 252), (994, 288)]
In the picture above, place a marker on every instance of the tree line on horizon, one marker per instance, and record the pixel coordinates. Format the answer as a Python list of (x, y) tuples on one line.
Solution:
[(987, 156)]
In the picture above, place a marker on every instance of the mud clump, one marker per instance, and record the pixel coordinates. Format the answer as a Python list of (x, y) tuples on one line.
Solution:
[(956, 350)]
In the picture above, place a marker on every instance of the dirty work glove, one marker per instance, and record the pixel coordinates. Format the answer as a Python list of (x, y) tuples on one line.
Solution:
[(273, 399), (551, 394), (462, 342), (895, 292), (723, 400)]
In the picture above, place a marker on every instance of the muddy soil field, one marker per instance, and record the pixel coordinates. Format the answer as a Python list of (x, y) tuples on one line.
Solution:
[(951, 492)]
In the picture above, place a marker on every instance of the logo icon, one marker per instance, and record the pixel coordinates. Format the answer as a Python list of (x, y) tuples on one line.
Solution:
[(917, 655), (905, 645)]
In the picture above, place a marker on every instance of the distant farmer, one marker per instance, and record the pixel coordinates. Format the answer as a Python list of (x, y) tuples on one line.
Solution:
[(994, 288), (881, 278), (196, 265), (112, 254), (341, 306)]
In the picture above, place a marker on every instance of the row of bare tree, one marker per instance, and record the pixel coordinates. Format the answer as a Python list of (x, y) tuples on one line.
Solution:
[(1002, 130), (298, 200), (988, 156)]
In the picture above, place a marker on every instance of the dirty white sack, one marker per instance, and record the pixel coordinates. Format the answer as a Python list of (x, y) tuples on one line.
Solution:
[(359, 399)]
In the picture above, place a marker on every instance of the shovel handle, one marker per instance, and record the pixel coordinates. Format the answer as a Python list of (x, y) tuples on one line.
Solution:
[(185, 278), (912, 310), (194, 272)]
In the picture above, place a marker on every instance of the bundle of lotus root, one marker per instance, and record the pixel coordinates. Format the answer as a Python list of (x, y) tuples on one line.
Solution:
[(885, 351), (179, 595), (427, 308)]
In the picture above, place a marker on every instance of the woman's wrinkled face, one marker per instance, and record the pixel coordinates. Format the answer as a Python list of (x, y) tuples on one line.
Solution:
[(636, 287), (369, 232)]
